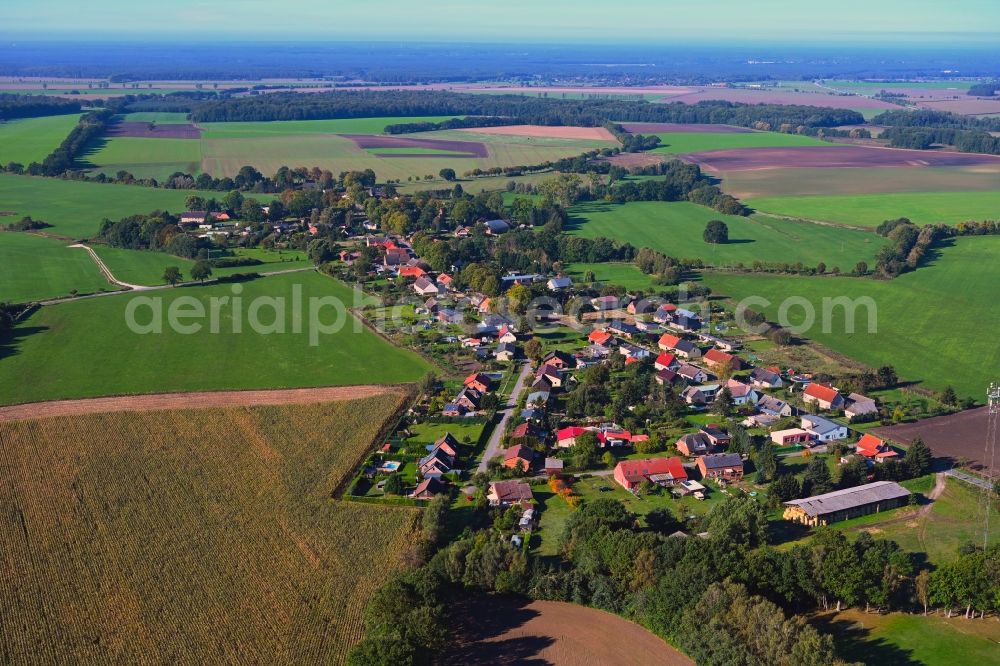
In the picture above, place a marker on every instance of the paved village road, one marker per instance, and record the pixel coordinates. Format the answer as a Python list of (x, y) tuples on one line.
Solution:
[(493, 446)]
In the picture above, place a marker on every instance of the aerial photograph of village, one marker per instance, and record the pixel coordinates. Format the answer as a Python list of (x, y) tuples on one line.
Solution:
[(527, 333)]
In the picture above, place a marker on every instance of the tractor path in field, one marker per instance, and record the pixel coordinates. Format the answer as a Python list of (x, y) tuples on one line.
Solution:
[(106, 272), (196, 400)]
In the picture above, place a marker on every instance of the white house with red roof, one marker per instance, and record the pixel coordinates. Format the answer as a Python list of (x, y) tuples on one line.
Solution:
[(662, 471), (716, 358), (664, 361), (873, 448), (826, 397)]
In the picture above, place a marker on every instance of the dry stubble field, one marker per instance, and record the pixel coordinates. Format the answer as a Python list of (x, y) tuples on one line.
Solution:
[(191, 536)]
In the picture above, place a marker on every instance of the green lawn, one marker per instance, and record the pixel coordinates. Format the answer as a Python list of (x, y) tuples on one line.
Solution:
[(34, 268), (76, 208), (428, 433), (900, 639), (676, 228), (85, 348), (624, 275), (144, 157), (932, 323), (28, 140), (694, 142), (870, 210), (146, 268)]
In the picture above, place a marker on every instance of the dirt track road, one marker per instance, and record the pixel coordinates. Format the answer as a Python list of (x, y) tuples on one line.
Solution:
[(202, 400)]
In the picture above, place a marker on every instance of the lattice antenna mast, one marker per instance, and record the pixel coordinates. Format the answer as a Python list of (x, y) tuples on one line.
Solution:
[(989, 456)]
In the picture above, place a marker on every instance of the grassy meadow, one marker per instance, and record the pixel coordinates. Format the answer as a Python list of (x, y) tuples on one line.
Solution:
[(144, 157), (694, 142), (870, 210), (192, 536), (622, 274), (75, 208), (146, 268), (676, 229), (27, 140), (85, 348), (34, 268), (931, 323)]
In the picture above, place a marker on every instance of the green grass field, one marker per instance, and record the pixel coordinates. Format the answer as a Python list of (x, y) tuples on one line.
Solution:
[(280, 128), (85, 348), (34, 268), (158, 117), (146, 268), (28, 140), (144, 157), (694, 142), (624, 275), (76, 208), (932, 323), (676, 229), (870, 210)]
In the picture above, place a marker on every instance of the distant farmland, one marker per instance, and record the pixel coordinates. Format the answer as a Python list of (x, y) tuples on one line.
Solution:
[(193, 536), (30, 140), (34, 268)]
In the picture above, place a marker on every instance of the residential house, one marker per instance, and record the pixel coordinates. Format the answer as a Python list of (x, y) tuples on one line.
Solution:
[(526, 433), (694, 444), (721, 466), (599, 337), (693, 373), (823, 429), (685, 320), (450, 316), (444, 280), (662, 471), (469, 399), (623, 329), (681, 347), (429, 487), (566, 437), (518, 457), (768, 404), (431, 305), (538, 399), (717, 435), (435, 464), (858, 405), (719, 343), (700, 396), (826, 397), (559, 283), (414, 272), (424, 287), (613, 435), (559, 360), (791, 436), (742, 393), (605, 303), (873, 448), (447, 443), (505, 351), (716, 358), (847, 503), (507, 493), (664, 361), (554, 466), (631, 351), (664, 313), (452, 409), (764, 378), (552, 375), (667, 377), (506, 335), (478, 381)]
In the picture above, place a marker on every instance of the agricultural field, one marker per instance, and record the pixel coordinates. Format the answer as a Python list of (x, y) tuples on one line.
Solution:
[(929, 321), (676, 229), (85, 348), (870, 210), (34, 268), (146, 268), (143, 157), (785, 182), (75, 208), (678, 143), (625, 275), (192, 536), (28, 140)]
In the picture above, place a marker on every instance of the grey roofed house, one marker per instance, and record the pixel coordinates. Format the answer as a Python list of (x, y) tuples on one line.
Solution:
[(685, 347), (771, 405), (841, 504), (497, 226), (764, 377), (722, 460), (557, 283), (860, 404), (536, 398)]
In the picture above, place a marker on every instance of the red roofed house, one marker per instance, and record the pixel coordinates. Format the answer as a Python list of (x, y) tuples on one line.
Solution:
[(444, 280), (668, 341), (599, 337), (662, 471), (718, 358), (826, 397), (518, 457), (874, 448), (411, 272), (664, 361), (478, 382), (566, 437)]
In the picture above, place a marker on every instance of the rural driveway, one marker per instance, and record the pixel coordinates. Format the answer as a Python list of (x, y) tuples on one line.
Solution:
[(493, 446)]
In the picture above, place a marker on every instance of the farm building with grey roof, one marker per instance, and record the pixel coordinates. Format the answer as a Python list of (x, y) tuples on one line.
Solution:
[(848, 503)]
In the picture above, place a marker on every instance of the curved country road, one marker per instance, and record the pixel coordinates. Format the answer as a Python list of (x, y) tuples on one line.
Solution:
[(493, 446)]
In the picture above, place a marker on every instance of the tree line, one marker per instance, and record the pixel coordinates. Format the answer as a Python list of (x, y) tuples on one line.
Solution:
[(34, 106)]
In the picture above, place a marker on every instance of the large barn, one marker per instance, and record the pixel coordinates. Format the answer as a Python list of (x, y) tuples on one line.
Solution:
[(847, 503)]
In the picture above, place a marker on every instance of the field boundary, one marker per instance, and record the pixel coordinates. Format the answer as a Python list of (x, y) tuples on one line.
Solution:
[(195, 400), (822, 223)]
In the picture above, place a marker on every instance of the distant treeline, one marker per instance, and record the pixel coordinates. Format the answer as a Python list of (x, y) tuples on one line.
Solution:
[(62, 159), (520, 109), (984, 89), (33, 106), (930, 118), (922, 138)]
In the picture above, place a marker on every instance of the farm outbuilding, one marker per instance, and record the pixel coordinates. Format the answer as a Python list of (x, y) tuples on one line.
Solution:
[(848, 503)]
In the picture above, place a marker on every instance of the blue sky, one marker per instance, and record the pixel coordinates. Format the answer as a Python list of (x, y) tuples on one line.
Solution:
[(663, 21)]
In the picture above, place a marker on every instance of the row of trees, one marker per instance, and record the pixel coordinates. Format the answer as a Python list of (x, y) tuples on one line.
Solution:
[(34, 106)]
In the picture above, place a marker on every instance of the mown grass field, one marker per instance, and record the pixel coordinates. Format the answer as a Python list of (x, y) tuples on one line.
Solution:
[(85, 348), (870, 210), (158, 117), (192, 536), (900, 639), (621, 274), (27, 140), (75, 208), (34, 268), (144, 157), (932, 323), (146, 268), (676, 229), (694, 142)]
